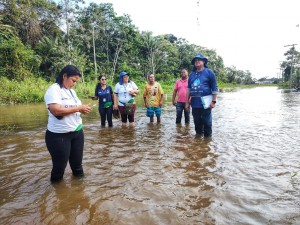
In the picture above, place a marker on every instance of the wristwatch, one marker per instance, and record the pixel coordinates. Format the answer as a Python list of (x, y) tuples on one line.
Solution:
[(214, 102)]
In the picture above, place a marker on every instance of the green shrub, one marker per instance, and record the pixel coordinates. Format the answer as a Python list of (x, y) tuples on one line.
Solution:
[(29, 90)]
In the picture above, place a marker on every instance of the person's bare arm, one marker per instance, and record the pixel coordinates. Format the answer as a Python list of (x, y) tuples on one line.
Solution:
[(115, 101), (59, 110), (161, 100), (174, 96), (187, 100)]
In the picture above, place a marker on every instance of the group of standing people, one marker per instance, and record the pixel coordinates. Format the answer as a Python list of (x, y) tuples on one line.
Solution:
[(198, 90), (122, 99), (64, 136)]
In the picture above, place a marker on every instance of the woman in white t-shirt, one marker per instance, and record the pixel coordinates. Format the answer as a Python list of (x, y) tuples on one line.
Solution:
[(64, 136), (124, 92)]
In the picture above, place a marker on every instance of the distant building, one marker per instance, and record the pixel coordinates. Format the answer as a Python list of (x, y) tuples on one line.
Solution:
[(267, 81)]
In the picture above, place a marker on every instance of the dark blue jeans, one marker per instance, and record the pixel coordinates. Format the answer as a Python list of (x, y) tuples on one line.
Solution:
[(106, 113), (203, 121), (180, 106), (64, 147)]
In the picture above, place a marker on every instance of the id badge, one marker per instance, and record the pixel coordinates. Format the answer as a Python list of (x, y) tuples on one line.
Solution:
[(104, 99)]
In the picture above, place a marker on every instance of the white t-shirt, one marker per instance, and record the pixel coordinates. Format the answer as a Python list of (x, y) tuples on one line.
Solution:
[(66, 98), (123, 92)]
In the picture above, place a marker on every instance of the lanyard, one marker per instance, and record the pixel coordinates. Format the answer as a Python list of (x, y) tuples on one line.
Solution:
[(72, 96)]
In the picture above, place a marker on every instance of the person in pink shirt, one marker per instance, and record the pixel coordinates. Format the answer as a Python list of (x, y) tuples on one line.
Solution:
[(180, 89)]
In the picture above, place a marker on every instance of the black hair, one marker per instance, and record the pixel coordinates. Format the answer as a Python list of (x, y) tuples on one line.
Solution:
[(99, 84), (99, 78), (70, 71), (185, 69), (149, 75)]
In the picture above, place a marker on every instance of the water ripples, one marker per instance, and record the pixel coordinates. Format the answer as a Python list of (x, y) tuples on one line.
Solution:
[(164, 174)]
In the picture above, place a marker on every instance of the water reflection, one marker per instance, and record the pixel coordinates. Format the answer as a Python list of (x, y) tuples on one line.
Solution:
[(22, 117), (162, 174), (196, 162), (70, 205)]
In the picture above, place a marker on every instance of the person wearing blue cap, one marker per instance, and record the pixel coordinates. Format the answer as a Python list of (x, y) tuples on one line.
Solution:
[(203, 90), (124, 93)]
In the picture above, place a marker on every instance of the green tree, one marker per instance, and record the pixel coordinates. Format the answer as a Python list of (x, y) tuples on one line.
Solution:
[(55, 56), (231, 74), (17, 61), (291, 66), (69, 9), (186, 53), (157, 52), (170, 62), (247, 78), (114, 37), (97, 41), (31, 19)]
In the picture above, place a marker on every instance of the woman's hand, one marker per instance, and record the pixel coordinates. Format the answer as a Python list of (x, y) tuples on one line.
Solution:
[(115, 107), (133, 92), (85, 109)]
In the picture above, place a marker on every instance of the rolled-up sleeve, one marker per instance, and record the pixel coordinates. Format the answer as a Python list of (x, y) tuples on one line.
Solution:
[(116, 91), (213, 83)]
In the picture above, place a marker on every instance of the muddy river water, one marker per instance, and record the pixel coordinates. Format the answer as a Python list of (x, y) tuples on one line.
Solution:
[(249, 173)]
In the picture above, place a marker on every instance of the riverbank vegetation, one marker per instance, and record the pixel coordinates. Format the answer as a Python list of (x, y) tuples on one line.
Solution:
[(38, 38)]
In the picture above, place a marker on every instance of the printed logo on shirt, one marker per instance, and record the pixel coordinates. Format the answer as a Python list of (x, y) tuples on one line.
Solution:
[(196, 84), (196, 88), (70, 106)]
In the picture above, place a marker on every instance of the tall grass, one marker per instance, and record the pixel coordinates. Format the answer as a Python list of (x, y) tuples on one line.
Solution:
[(33, 89), (29, 90), (86, 89)]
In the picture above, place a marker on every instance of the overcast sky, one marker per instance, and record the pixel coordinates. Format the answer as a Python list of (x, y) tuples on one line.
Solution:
[(247, 34)]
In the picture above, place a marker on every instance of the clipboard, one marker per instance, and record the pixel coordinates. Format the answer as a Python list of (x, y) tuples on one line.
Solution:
[(206, 101)]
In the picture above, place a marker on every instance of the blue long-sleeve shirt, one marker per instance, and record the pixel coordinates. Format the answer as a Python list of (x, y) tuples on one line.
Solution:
[(201, 84)]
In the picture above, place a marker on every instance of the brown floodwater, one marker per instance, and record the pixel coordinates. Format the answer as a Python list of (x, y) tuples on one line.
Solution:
[(248, 173)]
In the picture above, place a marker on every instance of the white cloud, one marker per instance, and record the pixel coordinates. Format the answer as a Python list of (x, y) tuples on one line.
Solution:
[(248, 34)]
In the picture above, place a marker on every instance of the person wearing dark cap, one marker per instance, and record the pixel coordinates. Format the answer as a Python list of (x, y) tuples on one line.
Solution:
[(64, 136), (104, 93), (124, 93), (203, 90)]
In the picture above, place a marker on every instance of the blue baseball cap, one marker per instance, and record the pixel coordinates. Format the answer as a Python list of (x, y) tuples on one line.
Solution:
[(123, 73)]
